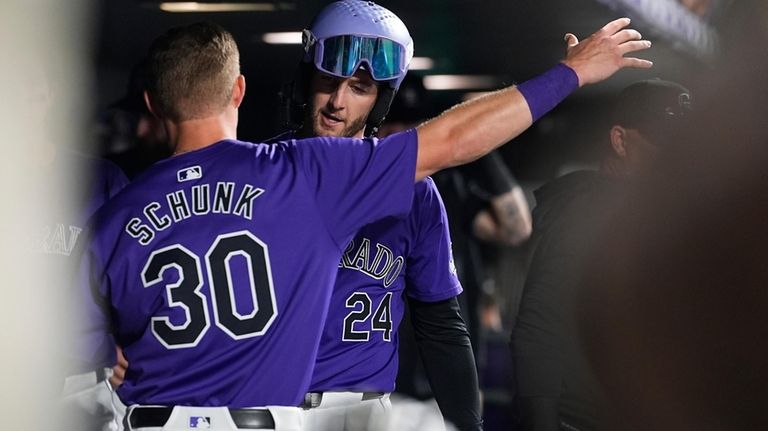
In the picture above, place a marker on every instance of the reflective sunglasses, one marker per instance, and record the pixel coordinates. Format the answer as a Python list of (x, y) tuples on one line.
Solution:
[(342, 55)]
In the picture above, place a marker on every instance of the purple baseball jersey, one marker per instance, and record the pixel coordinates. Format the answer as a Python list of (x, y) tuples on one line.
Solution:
[(216, 266), (69, 212), (58, 241), (398, 255)]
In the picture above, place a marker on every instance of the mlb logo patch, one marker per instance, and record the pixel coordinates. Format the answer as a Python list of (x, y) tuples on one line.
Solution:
[(190, 173), (199, 422)]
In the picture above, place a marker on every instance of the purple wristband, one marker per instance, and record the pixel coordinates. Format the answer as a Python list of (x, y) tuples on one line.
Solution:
[(545, 91)]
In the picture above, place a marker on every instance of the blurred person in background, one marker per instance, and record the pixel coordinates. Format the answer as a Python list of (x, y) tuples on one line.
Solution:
[(555, 388), (675, 326)]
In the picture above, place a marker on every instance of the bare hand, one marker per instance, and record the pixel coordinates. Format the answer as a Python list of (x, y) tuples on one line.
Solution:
[(118, 371), (602, 54)]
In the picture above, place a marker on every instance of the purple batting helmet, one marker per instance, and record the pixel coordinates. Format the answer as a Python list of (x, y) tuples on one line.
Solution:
[(347, 35)]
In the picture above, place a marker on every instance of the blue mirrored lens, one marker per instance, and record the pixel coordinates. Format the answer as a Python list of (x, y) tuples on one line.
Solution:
[(386, 59), (342, 56)]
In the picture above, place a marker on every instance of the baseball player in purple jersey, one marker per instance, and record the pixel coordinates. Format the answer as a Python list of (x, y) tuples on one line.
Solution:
[(391, 258), (214, 269)]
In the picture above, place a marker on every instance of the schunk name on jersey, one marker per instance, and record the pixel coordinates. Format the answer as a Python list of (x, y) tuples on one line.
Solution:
[(382, 266), (202, 199)]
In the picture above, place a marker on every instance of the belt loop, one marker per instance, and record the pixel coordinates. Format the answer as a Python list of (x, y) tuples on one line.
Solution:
[(312, 400), (101, 375), (372, 395), (316, 398)]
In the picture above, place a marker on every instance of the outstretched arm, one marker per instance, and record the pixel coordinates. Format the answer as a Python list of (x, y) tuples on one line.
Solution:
[(474, 128)]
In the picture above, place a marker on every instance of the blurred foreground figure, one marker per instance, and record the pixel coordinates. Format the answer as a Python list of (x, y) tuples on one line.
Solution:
[(77, 186), (675, 317), (50, 190)]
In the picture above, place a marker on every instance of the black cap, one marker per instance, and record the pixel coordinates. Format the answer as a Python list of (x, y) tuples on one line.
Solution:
[(653, 106)]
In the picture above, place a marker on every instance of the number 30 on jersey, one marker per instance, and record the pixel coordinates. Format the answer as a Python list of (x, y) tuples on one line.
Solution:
[(185, 293)]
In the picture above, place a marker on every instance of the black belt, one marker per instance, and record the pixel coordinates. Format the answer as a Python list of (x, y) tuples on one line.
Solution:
[(147, 417), (313, 399)]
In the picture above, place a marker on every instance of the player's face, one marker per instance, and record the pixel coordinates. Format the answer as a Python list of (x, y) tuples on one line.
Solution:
[(340, 106)]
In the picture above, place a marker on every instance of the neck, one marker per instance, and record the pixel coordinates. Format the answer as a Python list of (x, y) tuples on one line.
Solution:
[(613, 166), (307, 132), (193, 135)]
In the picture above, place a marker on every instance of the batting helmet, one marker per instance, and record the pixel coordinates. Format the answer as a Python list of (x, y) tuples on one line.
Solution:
[(350, 34)]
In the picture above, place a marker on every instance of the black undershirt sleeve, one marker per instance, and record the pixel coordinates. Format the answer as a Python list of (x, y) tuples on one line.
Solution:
[(443, 342)]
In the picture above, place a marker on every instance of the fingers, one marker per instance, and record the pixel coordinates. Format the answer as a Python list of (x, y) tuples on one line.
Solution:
[(635, 45), (615, 25), (122, 362), (636, 63), (571, 40), (115, 383), (118, 374), (600, 55), (117, 377), (626, 35)]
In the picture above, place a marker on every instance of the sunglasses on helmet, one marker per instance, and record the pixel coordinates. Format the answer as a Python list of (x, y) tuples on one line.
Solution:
[(342, 55)]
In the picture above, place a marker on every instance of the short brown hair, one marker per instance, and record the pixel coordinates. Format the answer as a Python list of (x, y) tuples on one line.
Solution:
[(191, 71)]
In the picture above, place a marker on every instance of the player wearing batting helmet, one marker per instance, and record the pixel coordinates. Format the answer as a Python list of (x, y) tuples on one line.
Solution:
[(356, 54)]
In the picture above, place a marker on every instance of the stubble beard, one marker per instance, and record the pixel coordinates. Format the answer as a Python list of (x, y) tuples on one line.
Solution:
[(349, 131)]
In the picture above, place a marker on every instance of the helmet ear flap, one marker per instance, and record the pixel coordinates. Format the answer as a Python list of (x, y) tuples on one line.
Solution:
[(380, 110)]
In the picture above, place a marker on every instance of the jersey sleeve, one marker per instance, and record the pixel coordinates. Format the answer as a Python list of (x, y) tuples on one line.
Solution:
[(430, 270), (113, 178), (105, 180), (356, 182)]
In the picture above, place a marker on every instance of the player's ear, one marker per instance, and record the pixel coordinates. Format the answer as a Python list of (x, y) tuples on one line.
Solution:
[(148, 102), (619, 141), (238, 92)]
